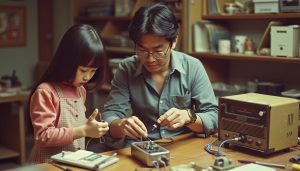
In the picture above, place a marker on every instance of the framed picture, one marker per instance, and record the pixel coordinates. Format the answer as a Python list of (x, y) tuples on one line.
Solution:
[(12, 26)]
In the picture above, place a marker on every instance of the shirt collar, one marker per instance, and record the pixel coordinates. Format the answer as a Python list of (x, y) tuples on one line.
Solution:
[(177, 62), (139, 68)]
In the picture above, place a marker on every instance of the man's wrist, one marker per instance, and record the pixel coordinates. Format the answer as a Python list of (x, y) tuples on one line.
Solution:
[(192, 116), (116, 128)]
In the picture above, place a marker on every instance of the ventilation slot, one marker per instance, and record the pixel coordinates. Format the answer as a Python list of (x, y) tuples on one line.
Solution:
[(238, 127)]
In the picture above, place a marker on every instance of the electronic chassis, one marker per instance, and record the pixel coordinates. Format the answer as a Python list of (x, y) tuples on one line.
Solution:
[(150, 153)]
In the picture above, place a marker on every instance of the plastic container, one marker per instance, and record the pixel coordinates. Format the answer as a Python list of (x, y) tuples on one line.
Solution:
[(293, 93)]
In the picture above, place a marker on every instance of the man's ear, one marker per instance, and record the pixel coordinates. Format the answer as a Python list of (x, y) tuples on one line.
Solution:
[(174, 43)]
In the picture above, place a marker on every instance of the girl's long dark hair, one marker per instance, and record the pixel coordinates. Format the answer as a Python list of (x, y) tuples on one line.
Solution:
[(80, 46)]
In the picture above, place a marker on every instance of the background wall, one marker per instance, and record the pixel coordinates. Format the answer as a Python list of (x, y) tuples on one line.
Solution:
[(23, 58), (62, 19)]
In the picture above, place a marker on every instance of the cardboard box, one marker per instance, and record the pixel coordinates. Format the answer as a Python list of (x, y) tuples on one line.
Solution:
[(265, 42), (266, 6), (285, 41)]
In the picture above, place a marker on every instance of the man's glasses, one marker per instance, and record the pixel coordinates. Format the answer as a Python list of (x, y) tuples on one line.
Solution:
[(156, 55)]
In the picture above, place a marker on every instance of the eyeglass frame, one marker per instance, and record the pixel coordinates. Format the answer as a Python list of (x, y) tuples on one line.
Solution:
[(147, 53)]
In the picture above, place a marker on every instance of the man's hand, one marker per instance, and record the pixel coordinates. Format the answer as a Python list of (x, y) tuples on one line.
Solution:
[(133, 127), (174, 118)]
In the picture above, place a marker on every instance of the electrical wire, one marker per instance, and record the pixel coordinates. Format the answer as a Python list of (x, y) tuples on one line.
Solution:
[(163, 163), (101, 139), (225, 141), (164, 141), (208, 147), (218, 152), (155, 164), (87, 144)]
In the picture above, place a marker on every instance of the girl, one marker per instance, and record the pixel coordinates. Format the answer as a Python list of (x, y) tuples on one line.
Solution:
[(56, 107)]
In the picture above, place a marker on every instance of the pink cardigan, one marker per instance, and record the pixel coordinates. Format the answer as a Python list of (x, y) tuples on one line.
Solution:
[(44, 113)]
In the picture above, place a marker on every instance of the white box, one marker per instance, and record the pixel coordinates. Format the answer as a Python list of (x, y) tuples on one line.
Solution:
[(266, 6), (285, 41)]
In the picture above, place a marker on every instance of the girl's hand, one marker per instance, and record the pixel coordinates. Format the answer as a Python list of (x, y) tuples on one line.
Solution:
[(93, 128)]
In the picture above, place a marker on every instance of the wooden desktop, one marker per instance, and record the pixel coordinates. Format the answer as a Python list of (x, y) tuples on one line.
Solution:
[(188, 148)]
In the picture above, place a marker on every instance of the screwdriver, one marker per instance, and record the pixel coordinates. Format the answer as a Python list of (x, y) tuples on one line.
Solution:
[(296, 166)]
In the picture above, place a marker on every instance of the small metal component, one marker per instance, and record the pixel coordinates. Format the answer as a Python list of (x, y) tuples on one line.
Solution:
[(154, 127), (101, 139), (148, 152)]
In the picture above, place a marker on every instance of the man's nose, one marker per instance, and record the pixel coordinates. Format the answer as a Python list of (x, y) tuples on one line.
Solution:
[(150, 57)]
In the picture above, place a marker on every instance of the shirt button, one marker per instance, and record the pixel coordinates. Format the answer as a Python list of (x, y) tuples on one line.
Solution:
[(75, 101), (78, 148), (161, 102), (76, 116)]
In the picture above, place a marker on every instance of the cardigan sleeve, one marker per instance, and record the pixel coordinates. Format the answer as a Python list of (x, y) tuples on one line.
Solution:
[(44, 113)]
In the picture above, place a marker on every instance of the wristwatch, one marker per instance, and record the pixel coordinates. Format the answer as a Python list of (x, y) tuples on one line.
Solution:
[(192, 116)]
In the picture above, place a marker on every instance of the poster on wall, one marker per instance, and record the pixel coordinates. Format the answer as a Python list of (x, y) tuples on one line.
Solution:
[(12, 26)]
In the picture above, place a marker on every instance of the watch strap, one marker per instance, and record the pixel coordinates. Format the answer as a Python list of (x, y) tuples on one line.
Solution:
[(192, 116)]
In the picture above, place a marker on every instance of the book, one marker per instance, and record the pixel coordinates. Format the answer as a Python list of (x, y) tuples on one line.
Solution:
[(206, 35), (212, 7), (85, 159), (200, 37)]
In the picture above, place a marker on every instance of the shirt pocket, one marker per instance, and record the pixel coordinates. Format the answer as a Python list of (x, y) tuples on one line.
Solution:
[(181, 102)]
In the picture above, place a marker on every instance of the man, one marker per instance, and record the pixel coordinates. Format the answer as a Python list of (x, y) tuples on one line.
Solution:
[(168, 92)]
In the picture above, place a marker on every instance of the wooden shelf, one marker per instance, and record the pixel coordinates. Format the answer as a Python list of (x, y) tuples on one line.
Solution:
[(7, 153), (13, 142), (80, 19), (15, 97), (120, 50), (233, 56), (102, 18), (251, 16)]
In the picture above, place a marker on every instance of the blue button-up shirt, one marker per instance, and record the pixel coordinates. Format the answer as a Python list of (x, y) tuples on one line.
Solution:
[(134, 93)]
